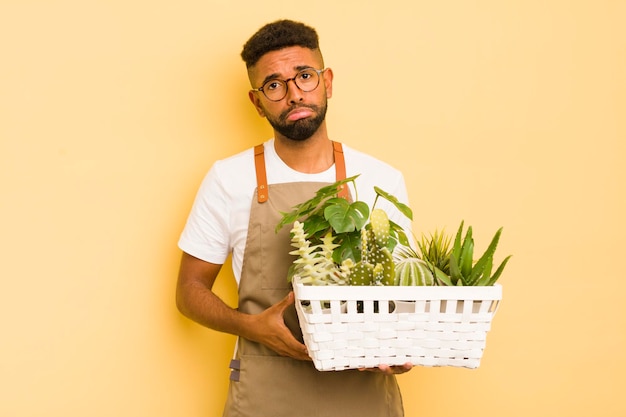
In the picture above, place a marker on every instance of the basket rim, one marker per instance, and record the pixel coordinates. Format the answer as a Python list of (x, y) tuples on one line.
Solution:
[(351, 292)]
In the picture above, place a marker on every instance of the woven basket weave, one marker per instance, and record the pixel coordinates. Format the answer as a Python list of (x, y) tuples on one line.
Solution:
[(347, 327)]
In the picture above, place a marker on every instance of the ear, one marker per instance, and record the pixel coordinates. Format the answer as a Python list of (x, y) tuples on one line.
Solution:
[(256, 102), (328, 82)]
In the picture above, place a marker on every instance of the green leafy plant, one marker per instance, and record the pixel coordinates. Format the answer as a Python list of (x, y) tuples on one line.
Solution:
[(346, 233)]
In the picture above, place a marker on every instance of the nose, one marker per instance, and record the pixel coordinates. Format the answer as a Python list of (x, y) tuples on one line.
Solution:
[(294, 94)]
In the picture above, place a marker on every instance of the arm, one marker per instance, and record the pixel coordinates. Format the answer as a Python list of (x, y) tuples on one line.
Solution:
[(196, 300)]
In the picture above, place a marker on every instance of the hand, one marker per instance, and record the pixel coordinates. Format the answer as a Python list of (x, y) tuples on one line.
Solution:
[(390, 370), (271, 331)]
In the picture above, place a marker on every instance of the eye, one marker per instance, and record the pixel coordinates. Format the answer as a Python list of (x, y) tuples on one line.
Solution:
[(306, 75), (272, 85)]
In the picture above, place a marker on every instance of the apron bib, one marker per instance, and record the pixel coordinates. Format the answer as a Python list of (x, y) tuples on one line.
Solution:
[(269, 385)]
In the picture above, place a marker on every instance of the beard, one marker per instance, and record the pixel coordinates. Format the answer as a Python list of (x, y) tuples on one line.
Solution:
[(302, 129)]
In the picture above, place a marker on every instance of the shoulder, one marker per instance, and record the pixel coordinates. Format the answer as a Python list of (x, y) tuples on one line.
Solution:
[(240, 161), (231, 177)]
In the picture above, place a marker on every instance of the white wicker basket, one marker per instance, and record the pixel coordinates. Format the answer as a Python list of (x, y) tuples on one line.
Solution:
[(347, 327)]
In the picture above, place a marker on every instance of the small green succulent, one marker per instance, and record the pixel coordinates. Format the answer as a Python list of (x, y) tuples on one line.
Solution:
[(436, 250)]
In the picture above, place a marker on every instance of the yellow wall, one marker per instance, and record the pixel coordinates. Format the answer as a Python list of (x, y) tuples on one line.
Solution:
[(502, 113)]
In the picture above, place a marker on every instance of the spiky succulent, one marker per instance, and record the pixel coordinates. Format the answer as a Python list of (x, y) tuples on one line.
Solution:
[(314, 264), (435, 249)]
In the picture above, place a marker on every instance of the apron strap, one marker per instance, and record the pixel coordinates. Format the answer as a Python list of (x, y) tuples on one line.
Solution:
[(340, 169), (261, 176)]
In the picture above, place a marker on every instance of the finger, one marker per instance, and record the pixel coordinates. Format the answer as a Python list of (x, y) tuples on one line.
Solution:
[(390, 370), (285, 302), (385, 369), (296, 350)]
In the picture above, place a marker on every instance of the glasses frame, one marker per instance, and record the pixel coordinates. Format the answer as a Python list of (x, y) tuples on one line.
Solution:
[(286, 81)]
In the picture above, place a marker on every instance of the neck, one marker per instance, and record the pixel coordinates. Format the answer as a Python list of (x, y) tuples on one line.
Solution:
[(310, 156)]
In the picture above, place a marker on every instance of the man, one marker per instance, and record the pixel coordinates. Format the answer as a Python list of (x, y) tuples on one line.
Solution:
[(237, 209)]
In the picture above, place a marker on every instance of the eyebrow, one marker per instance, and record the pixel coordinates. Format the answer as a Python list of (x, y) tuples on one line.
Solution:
[(276, 76)]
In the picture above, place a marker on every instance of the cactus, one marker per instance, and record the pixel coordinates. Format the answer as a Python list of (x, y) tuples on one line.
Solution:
[(376, 266), (410, 268), (413, 271), (379, 222), (363, 271)]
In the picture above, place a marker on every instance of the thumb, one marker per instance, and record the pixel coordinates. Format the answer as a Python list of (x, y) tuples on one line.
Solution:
[(286, 302)]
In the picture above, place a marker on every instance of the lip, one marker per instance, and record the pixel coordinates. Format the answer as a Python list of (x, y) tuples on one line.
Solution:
[(299, 113)]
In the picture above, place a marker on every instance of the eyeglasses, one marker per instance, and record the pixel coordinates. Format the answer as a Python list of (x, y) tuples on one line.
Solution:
[(306, 80)]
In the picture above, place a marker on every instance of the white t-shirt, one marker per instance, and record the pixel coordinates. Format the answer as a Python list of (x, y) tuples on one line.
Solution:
[(218, 222)]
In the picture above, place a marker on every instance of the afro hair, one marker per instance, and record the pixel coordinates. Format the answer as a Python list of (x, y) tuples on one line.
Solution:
[(278, 35)]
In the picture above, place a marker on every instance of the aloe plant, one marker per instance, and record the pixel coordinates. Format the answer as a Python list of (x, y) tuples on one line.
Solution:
[(463, 269)]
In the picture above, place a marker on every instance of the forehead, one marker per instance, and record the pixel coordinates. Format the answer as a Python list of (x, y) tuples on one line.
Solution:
[(284, 63)]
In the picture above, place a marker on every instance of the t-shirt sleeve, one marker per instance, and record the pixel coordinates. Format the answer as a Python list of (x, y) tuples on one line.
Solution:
[(205, 235)]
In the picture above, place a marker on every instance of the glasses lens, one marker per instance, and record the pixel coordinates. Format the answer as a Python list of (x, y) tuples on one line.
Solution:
[(275, 89), (307, 80)]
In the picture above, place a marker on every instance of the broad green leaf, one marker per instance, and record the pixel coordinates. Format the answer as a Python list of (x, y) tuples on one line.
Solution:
[(400, 236), (316, 224), (403, 208), (314, 205), (349, 247), (333, 189), (345, 217)]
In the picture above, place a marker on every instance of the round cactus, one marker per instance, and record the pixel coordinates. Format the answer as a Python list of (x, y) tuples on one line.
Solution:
[(413, 271)]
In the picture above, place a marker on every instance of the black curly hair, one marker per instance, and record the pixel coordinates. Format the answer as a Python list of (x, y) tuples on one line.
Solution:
[(278, 35)]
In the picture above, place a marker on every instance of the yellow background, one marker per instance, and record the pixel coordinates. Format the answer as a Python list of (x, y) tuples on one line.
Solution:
[(501, 113)]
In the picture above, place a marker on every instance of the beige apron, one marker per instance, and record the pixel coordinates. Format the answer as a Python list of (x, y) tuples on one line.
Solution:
[(264, 384)]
